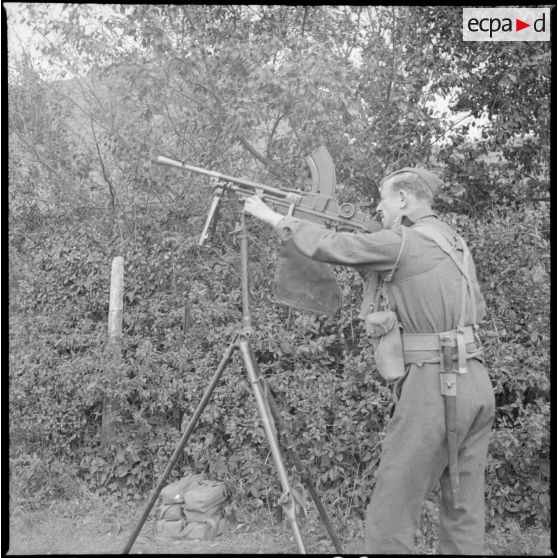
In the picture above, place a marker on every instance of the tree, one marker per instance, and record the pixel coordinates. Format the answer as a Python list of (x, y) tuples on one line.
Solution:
[(509, 85)]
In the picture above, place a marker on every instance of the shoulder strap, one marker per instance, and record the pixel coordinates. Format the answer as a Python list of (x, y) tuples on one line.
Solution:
[(441, 241), (389, 276), (381, 293), (431, 233)]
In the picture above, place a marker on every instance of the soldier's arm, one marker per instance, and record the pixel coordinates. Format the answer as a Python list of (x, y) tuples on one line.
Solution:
[(377, 250)]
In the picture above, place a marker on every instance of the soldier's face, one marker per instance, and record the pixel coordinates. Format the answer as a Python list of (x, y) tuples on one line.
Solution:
[(390, 206)]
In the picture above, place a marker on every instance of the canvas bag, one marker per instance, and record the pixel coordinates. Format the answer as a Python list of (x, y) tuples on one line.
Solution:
[(204, 500), (174, 492), (191, 508)]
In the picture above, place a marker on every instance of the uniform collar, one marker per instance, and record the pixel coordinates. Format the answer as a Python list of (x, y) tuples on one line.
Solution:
[(416, 215)]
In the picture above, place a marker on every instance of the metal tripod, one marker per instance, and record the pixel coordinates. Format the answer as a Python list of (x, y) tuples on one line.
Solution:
[(269, 415)]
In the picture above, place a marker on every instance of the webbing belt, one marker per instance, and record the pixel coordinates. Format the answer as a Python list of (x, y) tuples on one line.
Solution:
[(431, 341), (425, 348)]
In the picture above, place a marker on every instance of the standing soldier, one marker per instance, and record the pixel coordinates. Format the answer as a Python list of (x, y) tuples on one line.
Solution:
[(444, 408)]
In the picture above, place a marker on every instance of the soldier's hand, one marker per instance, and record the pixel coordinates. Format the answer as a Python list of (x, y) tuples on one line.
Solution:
[(257, 208)]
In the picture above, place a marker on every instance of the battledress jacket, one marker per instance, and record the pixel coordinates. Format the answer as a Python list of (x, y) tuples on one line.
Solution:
[(426, 287)]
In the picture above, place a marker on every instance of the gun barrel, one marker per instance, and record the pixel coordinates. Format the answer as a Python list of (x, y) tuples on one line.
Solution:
[(255, 186)]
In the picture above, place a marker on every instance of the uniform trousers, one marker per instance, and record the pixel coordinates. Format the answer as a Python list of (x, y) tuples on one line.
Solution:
[(414, 458)]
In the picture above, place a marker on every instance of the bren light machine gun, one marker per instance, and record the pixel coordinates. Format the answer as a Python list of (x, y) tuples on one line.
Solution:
[(317, 205)]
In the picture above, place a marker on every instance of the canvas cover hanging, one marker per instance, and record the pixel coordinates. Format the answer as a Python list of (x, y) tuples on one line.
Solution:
[(305, 284)]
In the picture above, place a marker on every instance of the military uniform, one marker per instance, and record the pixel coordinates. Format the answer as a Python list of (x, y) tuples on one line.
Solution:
[(426, 293)]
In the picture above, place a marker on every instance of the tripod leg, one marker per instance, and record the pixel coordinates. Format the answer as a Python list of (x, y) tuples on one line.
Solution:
[(258, 386), (302, 471), (181, 444)]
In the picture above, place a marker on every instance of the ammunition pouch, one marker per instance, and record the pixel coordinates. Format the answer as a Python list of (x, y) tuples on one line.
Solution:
[(305, 284)]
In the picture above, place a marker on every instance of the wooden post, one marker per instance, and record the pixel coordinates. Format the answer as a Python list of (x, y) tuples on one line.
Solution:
[(116, 300), (114, 341)]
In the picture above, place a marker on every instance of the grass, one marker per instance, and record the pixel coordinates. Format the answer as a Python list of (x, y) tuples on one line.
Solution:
[(513, 540), (92, 525)]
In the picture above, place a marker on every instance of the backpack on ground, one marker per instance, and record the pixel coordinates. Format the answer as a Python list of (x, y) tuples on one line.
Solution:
[(191, 508)]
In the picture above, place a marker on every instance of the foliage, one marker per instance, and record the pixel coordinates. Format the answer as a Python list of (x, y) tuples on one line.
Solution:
[(491, 85), (250, 91), (513, 263), (277, 81), (334, 405)]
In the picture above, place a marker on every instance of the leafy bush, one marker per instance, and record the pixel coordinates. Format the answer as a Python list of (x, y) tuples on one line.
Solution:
[(182, 308), (512, 256)]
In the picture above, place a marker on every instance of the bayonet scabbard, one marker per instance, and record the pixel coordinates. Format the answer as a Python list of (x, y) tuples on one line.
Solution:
[(448, 388)]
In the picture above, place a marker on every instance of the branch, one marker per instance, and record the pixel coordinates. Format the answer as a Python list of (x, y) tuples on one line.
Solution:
[(396, 49), (171, 119), (33, 148), (35, 198), (447, 130), (272, 133), (253, 151), (241, 139), (254, 11), (209, 90), (355, 34), (57, 203), (304, 21), (178, 91), (58, 175), (105, 176)]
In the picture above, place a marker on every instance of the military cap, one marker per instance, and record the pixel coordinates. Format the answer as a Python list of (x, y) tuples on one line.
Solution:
[(430, 180)]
